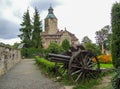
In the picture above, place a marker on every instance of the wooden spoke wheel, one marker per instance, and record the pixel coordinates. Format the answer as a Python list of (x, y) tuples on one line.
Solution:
[(83, 65)]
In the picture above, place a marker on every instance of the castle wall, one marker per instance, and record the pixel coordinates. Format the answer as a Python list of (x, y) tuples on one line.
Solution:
[(8, 58)]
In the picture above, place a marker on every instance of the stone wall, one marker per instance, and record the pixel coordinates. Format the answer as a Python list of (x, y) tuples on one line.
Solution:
[(8, 58)]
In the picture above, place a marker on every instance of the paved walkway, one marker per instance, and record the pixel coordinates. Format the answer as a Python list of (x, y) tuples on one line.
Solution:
[(26, 75)]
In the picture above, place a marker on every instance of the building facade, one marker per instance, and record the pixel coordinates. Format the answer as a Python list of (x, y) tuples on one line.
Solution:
[(52, 34)]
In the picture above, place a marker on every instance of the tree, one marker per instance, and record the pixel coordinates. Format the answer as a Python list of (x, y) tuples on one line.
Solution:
[(93, 48), (102, 37), (115, 21), (37, 29), (86, 39), (66, 45), (26, 29), (16, 45)]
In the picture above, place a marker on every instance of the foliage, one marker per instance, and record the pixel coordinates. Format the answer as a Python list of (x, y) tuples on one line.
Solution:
[(105, 58), (37, 29), (31, 52), (16, 45), (87, 85), (47, 65), (116, 80), (26, 29), (2, 44), (30, 36), (103, 37), (116, 34), (93, 47), (86, 39), (66, 45), (108, 42), (55, 48)]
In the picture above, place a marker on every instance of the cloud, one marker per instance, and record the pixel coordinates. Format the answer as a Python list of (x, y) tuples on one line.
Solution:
[(12, 12), (8, 29), (42, 5), (10, 18)]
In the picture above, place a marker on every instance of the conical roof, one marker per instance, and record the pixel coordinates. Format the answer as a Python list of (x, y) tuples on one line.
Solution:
[(50, 13)]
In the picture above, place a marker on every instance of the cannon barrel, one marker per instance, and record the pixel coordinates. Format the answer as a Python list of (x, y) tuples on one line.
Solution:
[(58, 58)]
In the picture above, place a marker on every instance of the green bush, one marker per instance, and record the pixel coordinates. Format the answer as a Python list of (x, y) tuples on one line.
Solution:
[(45, 64), (66, 45), (116, 80), (55, 48), (93, 47), (31, 52)]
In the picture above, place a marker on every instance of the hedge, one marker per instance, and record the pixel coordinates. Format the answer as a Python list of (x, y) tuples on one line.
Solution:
[(45, 64)]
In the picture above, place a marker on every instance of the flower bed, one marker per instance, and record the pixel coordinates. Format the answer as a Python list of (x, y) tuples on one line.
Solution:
[(105, 58)]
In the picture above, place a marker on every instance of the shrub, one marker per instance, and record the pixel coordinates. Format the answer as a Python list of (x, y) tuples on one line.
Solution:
[(45, 64), (55, 48), (116, 80), (31, 52), (66, 45), (93, 47)]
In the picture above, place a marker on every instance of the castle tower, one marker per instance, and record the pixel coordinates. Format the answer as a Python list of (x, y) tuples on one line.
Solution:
[(51, 22)]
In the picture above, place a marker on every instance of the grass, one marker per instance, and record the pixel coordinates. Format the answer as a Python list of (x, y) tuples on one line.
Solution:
[(46, 67), (87, 85), (106, 65)]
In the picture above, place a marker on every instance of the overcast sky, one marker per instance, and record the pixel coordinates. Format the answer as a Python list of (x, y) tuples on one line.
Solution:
[(81, 17)]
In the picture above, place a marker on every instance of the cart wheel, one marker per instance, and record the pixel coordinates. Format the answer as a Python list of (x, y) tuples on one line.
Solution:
[(83, 65)]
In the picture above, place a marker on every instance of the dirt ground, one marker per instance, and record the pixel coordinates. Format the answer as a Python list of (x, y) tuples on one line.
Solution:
[(105, 82)]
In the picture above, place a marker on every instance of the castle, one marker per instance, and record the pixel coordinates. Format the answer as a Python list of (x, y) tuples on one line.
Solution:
[(52, 34)]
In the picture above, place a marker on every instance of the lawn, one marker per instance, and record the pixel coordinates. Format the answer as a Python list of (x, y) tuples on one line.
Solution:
[(106, 65)]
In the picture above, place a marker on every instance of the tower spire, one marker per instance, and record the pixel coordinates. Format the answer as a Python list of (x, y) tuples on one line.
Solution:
[(50, 12)]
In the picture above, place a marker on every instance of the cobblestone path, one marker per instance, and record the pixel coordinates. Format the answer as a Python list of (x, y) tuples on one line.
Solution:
[(26, 75)]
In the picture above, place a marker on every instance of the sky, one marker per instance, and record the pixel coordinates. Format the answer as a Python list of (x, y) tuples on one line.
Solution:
[(80, 17)]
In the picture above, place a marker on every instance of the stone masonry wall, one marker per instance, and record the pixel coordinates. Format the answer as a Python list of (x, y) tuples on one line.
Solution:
[(8, 58)]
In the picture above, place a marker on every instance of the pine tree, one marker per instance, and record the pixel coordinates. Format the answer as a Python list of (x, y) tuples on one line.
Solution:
[(116, 34), (37, 29), (26, 29)]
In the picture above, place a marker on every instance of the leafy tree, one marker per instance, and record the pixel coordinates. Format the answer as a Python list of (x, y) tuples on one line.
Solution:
[(16, 45), (2, 44), (92, 47), (116, 43), (102, 37), (115, 19), (66, 45), (86, 39), (37, 29), (26, 29)]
